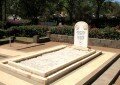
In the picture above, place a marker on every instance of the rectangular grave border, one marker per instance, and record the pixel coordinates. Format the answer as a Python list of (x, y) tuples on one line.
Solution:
[(52, 71), (13, 67)]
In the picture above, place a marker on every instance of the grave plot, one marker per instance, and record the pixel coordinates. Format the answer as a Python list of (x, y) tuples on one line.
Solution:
[(46, 66), (49, 64)]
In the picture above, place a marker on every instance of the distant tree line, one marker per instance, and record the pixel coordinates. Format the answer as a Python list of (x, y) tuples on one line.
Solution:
[(75, 9)]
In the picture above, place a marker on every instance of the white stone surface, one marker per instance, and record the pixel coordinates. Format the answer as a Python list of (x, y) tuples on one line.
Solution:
[(52, 60), (81, 34)]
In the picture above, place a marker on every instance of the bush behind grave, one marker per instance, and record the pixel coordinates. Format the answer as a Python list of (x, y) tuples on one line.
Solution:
[(30, 31), (65, 30), (106, 33), (27, 31)]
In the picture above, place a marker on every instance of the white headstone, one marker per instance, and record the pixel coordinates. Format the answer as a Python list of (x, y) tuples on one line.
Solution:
[(81, 34)]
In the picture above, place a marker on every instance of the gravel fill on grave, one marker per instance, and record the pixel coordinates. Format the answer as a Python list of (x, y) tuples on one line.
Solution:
[(49, 61)]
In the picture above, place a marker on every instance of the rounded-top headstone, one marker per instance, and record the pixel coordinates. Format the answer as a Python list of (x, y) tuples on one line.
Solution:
[(81, 34)]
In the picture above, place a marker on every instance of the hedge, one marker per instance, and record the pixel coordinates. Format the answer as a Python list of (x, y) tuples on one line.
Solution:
[(2, 33), (27, 31), (65, 30), (106, 33), (30, 31)]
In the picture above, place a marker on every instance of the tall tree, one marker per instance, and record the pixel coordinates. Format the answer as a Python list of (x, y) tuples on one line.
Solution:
[(32, 8), (3, 10), (0, 10), (70, 6), (77, 9), (13, 7), (50, 8), (99, 5), (83, 10), (111, 8)]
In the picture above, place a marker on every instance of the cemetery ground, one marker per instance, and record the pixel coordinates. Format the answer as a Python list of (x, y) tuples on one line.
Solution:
[(40, 46), (7, 79), (42, 61)]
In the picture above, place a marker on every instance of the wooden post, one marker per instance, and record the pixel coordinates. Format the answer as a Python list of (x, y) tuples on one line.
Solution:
[(10, 41)]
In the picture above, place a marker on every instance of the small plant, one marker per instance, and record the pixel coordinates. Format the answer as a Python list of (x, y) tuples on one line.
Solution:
[(65, 30)]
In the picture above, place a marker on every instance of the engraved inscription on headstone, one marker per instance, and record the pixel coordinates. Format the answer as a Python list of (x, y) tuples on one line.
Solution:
[(81, 34)]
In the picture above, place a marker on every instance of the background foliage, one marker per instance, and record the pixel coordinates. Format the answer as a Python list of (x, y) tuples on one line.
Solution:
[(76, 10), (30, 31)]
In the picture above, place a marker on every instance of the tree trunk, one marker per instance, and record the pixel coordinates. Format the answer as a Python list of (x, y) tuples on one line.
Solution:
[(4, 11), (0, 10), (71, 18), (98, 14), (98, 11)]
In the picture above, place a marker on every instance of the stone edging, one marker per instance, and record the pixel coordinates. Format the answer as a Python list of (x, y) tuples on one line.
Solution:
[(92, 41)]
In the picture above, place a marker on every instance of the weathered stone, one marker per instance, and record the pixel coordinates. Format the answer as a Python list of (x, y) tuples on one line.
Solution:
[(81, 34), (54, 37), (104, 43), (48, 34), (64, 38), (60, 38), (36, 38), (94, 41), (70, 39), (115, 44), (91, 41)]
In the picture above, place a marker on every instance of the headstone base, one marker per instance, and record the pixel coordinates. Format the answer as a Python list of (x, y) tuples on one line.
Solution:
[(81, 48)]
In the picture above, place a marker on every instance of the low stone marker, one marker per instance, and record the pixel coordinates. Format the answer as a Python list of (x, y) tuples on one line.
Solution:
[(36, 38), (81, 34)]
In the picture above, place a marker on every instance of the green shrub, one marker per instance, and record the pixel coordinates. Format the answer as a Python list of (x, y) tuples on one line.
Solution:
[(30, 31), (27, 31), (65, 30), (69, 30), (110, 33), (94, 33), (2, 33), (106, 33)]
